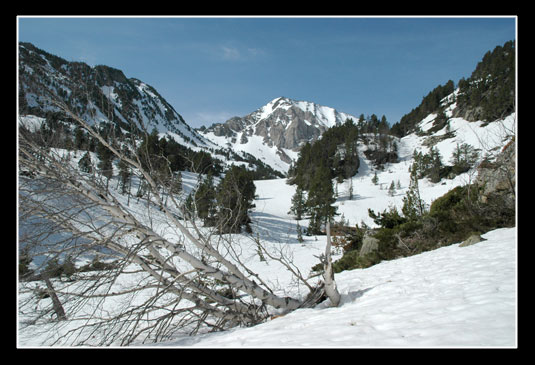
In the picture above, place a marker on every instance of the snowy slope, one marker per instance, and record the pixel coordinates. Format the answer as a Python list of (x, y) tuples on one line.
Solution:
[(270, 155), (488, 138), (450, 297)]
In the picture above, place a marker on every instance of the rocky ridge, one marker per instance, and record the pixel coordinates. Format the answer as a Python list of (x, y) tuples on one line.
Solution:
[(283, 123), (97, 94)]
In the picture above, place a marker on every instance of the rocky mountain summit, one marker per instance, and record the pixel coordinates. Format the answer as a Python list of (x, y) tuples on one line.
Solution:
[(283, 123), (281, 126)]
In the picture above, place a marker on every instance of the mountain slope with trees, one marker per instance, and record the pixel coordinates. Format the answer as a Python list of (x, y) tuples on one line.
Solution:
[(122, 108), (99, 93), (193, 251), (487, 95)]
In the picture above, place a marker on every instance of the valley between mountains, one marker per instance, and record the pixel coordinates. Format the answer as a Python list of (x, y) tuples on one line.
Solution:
[(135, 229)]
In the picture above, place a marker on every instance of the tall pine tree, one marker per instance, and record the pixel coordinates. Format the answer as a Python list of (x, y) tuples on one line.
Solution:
[(320, 199), (205, 201), (235, 195), (413, 205), (298, 208)]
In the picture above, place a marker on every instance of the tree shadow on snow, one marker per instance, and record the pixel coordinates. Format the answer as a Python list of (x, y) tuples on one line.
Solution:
[(354, 295), (273, 228)]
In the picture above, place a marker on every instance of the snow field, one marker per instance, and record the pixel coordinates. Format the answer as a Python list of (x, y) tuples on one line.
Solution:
[(450, 297)]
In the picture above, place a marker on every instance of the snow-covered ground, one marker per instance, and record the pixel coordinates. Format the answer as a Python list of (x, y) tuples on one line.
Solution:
[(450, 297)]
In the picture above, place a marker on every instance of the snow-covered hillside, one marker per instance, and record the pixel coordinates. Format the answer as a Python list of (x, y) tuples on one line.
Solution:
[(128, 103), (450, 297), (487, 138)]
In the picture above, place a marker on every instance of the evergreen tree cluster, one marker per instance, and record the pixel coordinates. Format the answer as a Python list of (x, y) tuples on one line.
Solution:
[(163, 154), (430, 104), (336, 152), (225, 206), (334, 155), (491, 87), (488, 94), (430, 164), (375, 133)]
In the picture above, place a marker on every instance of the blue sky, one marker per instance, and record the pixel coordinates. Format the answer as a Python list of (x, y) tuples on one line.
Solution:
[(211, 69)]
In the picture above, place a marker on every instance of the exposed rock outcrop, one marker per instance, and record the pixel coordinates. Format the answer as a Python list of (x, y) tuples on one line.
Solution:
[(369, 244), (283, 123), (472, 240), (497, 178)]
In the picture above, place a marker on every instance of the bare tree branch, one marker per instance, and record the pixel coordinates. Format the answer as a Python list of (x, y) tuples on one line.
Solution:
[(184, 277)]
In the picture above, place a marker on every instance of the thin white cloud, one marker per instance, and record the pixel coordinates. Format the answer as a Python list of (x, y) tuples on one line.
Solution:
[(231, 53), (207, 118), (254, 52), (238, 53)]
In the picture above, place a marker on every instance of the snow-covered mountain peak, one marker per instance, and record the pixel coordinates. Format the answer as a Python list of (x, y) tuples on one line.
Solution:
[(266, 110), (279, 128), (310, 113)]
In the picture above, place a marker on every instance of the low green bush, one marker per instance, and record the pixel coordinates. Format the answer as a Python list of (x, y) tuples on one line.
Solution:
[(452, 218)]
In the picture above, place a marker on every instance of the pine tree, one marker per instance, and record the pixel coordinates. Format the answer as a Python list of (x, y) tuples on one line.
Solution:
[(79, 138), (106, 162), (124, 175), (235, 195), (375, 179), (176, 183), (320, 199), (299, 233), (298, 208), (463, 158), (392, 189), (85, 163), (435, 165), (205, 201), (413, 205)]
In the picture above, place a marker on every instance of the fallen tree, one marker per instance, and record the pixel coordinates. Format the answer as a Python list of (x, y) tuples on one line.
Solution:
[(194, 283)]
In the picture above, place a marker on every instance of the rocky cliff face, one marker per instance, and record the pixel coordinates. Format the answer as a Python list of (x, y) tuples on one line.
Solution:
[(98, 94), (275, 132), (498, 178), (283, 123)]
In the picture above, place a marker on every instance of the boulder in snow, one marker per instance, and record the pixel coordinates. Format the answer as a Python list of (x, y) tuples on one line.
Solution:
[(369, 244), (475, 238)]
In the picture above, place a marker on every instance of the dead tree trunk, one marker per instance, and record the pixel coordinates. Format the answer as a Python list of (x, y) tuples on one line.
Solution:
[(56, 304), (328, 275), (186, 268)]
